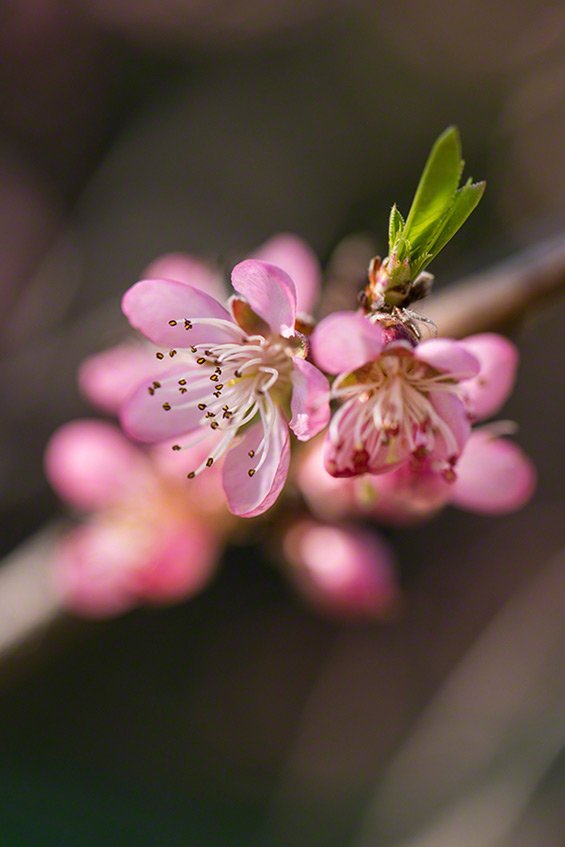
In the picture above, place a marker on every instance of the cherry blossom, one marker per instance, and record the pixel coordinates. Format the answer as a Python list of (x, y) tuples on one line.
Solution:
[(241, 374), (399, 400), (145, 539)]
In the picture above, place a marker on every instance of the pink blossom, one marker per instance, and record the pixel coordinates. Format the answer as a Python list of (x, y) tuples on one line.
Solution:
[(399, 400), (492, 476), (145, 540), (234, 373), (486, 392), (342, 571)]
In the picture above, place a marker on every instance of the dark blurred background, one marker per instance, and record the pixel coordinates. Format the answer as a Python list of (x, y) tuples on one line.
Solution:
[(129, 128)]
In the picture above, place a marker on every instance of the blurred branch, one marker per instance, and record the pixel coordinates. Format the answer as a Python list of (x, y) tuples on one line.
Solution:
[(28, 600), (502, 295)]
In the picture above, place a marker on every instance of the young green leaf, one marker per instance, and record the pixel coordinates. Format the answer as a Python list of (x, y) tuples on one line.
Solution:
[(436, 189), (395, 227), (466, 200)]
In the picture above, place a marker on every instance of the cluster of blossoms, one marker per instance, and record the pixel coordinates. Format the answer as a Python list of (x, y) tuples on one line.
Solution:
[(224, 388)]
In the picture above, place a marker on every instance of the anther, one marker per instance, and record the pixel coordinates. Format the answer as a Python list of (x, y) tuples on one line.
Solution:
[(237, 373), (214, 425), (201, 360), (251, 454), (251, 472), (217, 393), (181, 382), (187, 324), (167, 407), (218, 370), (172, 353), (193, 349), (151, 390), (219, 387), (156, 384), (190, 475), (160, 355), (172, 323), (209, 462), (210, 414), (202, 406), (183, 390), (208, 353), (214, 377), (176, 447)]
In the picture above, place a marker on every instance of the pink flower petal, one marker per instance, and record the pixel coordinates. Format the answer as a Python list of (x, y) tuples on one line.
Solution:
[(89, 463), (144, 417), (150, 306), (181, 563), (494, 476), (489, 390), (294, 256), (409, 495), (92, 571), (252, 495), (344, 341), (449, 445), (189, 270), (327, 496), (108, 378), (269, 291), (343, 571), (310, 400), (448, 356)]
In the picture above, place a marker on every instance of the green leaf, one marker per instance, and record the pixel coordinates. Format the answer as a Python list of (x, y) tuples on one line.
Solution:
[(395, 227), (436, 189), (466, 200)]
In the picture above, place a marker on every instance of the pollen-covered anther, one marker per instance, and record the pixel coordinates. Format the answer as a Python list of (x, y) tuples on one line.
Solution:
[(172, 353), (201, 360), (181, 382), (209, 462), (214, 425), (202, 406), (172, 323), (187, 324), (159, 355), (251, 454), (167, 407), (214, 377), (449, 475), (251, 472), (190, 475)]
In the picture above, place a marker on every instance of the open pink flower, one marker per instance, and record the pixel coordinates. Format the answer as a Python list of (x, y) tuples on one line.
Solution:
[(239, 373), (145, 539), (343, 571), (399, 400)]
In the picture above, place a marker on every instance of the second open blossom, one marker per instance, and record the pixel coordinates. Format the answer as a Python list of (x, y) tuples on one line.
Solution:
[(239, 376)]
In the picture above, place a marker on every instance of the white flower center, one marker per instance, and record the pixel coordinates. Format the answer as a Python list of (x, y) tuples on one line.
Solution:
[(387, 403), (234, 384)]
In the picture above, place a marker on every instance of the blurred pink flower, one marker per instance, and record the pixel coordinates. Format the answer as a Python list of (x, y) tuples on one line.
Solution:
[(233, 369), (146, 539), (343, 571), (399, 400)]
